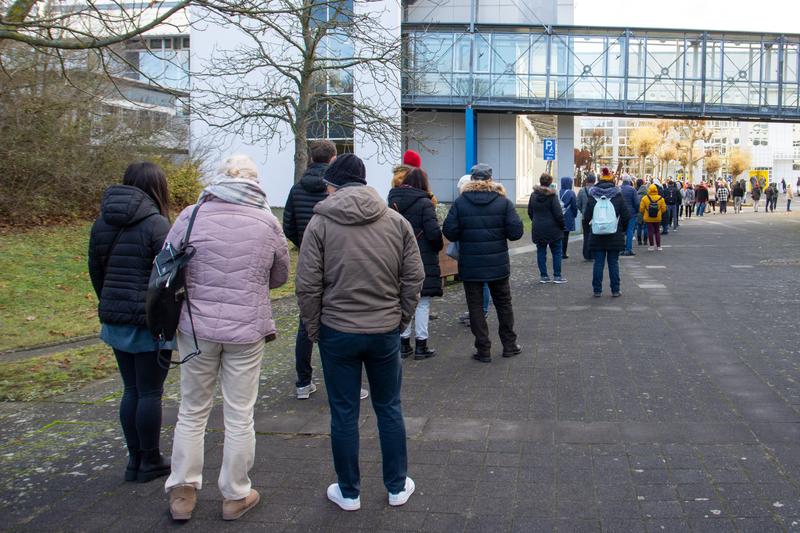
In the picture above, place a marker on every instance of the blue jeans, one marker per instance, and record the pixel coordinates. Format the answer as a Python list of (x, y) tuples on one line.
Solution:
[(701, 208), (556, 248), (641, 231), (629, 234), (342, 356), (672, 211), (600, 257), (302, 356)]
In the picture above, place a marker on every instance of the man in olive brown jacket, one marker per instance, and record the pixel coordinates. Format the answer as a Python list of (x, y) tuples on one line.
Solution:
[(359, 277)]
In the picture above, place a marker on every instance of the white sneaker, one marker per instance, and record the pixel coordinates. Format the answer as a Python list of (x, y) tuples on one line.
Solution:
[(402, 497), (304, 392), (650, 248), (347, 504), (364, 394), (660, 249)]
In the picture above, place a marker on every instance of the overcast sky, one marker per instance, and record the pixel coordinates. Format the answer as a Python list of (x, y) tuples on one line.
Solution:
[(778, 16)]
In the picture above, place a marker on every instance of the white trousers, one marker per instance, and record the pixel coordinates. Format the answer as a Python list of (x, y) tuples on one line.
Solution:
[(238, 367), (420, 320)]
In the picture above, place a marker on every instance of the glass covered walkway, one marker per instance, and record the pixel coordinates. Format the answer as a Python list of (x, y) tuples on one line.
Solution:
[(614, 71)]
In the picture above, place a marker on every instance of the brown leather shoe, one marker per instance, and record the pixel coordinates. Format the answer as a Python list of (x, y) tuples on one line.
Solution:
[(182, 500), (234, 509)]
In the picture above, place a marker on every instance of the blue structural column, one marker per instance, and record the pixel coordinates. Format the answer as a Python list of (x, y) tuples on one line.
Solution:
[(471, 138)]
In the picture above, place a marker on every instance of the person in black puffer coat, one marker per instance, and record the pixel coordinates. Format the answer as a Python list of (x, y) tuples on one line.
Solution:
[(413, 200), (482, 220), (303, 196), (544, 210), (124, 241), (607, 247)]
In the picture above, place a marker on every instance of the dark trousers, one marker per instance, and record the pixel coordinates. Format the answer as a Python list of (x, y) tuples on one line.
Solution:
[(665, 220), (600, 258), (541, 257), (501, 296), (652, 233), (564, 244), (342, 356), (140, 407), (723, 206), (587, 230), (302, 356), (672, 211)]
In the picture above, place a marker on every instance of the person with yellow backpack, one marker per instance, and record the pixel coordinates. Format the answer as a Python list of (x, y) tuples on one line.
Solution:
[(652, 208)]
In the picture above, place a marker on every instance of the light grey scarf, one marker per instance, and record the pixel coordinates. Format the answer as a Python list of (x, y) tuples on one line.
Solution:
[(237, 191)]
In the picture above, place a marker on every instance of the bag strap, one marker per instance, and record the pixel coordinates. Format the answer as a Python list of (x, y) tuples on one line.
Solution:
[(185, 240)]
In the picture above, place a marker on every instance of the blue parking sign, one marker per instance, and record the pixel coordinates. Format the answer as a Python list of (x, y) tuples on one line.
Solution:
[(549, 149)]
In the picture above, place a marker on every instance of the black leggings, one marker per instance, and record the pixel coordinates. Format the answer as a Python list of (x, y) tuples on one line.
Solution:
[(564, 244), (140, 408)]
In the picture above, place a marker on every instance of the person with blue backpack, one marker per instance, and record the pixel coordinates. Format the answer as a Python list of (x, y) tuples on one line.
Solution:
[(608, 216)]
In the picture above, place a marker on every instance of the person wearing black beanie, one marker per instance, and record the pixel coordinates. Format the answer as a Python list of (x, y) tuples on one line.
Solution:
[(348, 169)]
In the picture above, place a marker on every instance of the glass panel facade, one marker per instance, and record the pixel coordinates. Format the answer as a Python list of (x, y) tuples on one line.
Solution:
[(640, 72)]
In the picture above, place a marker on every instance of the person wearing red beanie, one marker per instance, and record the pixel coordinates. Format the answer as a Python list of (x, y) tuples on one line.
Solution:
[(412, 158)]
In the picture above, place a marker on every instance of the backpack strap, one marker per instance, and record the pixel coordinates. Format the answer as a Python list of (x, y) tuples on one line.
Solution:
[(185, 240)]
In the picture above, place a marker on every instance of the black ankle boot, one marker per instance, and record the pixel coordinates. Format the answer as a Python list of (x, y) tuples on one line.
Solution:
[(134, 459), (405, 347), (152, 466), (421, 350)]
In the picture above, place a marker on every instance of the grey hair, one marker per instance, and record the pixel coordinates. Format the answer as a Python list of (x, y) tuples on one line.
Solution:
[(239, 166)]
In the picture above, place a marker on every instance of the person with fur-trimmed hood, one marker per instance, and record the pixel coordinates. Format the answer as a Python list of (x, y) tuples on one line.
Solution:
[(483, 220)]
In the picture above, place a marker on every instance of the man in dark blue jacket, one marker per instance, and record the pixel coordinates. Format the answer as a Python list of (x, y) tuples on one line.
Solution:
[(482, 220), (673, 198), (303, 196), (631, 199)]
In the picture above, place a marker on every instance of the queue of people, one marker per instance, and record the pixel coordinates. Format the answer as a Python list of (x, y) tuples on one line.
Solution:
[(360, 323)]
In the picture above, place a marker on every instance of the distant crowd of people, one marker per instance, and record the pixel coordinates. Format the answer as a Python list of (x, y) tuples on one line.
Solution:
[(366, 273)]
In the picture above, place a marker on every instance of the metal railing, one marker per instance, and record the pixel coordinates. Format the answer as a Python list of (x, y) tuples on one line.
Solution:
[(613, 71)]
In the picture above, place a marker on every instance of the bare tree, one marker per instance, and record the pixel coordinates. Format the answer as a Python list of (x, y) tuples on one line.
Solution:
[(289, 76), (81, 25), (691, 131), (596, 143), (738, 162), (644, 141)]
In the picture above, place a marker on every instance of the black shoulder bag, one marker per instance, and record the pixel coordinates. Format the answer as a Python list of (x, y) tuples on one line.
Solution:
[(166, 292)]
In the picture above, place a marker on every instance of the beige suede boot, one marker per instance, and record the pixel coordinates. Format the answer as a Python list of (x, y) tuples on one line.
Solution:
[(182, 500), (234, 509)]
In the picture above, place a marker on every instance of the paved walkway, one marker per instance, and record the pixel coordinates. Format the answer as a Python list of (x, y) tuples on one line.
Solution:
[(673, 408)]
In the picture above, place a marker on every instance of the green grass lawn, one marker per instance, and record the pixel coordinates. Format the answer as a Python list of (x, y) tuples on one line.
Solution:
[(41, 377), (45, 292)]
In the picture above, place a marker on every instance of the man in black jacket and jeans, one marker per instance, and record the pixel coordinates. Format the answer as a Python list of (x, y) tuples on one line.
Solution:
[(482, 220), (303, 196)]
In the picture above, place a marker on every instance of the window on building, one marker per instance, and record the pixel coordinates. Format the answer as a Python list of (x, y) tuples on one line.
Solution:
[(332, 107), (160, 60)]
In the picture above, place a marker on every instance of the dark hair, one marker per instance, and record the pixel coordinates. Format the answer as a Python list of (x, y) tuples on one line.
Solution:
[(322, 151), (150, 178), (418, 179), (639, 182), (545, 179)]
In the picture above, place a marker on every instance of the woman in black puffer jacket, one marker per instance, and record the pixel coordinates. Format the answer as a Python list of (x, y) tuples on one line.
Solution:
[(544, 210), (125, 238), (414, 201)]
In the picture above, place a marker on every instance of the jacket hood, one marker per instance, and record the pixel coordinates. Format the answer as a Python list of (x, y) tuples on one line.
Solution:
[(312, 179), (652, 189), (566, 183), (401, 198), (352, 206), (481, 192), (124, 205), (605, 188)]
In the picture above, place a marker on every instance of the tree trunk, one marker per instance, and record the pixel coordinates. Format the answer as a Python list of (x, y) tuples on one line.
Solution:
[(300, 152)]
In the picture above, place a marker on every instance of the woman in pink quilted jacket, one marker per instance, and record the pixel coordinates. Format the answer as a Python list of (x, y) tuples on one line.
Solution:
[(241, 255)]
